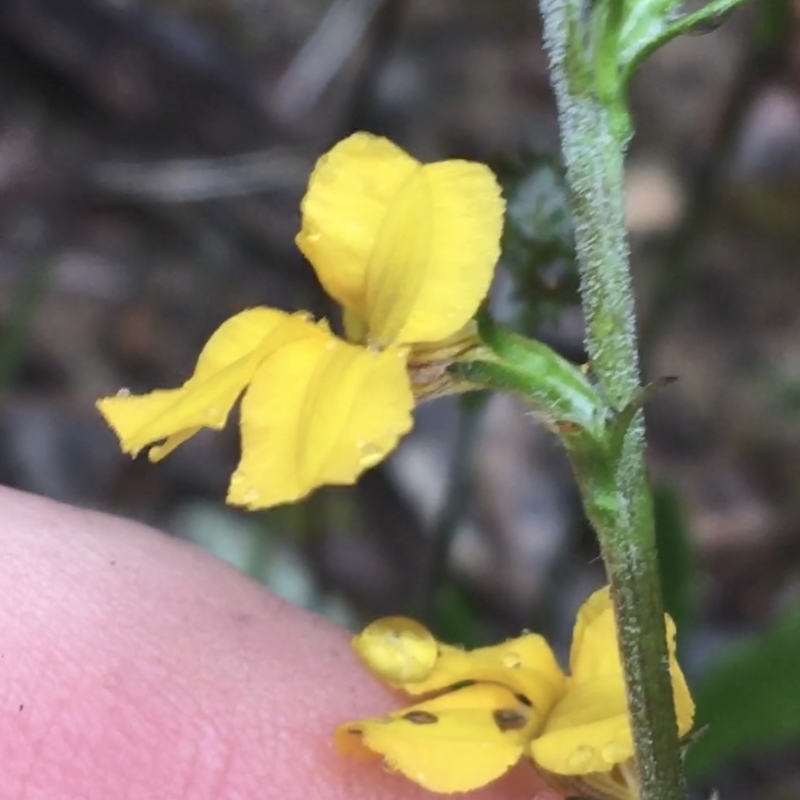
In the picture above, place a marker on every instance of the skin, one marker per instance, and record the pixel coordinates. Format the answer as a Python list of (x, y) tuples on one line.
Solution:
[(137, 667)]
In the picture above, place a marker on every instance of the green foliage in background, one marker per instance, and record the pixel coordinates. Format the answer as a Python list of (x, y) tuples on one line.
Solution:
[(749, 698)]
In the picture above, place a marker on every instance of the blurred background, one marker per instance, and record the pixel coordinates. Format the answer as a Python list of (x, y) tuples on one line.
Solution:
[(152, 156)]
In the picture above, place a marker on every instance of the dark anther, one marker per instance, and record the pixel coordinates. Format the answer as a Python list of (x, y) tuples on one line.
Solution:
[(524, 700), (421, 717), (509, 719)]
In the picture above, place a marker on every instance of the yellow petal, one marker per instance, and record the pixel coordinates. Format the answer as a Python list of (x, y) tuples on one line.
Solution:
[(525, 665), (408, 248), (435, 254), (397, 649), (348, 195), (224, 367), (320, 411), (684, 705), (355, 329), (587, 731), (594, 648), (454, 743), (589, 728), (595, 653)]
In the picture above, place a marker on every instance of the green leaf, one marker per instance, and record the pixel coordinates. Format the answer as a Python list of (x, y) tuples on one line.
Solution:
[(16, 326), (675, 558), (455, 620), (750, 698), (538, 239), (645, 21), (606, 22), (650, 24), (774, 24)]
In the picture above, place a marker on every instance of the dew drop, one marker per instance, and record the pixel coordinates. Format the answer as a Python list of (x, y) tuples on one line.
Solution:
[(124, 392), (370, 454), (313, 237), (511, 661), (251, 495), (580, 757), (330, 345), (613, 753)]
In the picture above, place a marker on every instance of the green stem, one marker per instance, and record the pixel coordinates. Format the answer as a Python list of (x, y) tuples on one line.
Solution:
[(595, 133)]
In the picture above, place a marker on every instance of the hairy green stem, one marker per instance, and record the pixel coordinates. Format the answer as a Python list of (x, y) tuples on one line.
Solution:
[(595, 133)]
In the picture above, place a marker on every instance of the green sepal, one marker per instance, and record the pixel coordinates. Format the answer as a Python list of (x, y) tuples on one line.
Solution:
[(552, 399), (566, 399), (556, 388)]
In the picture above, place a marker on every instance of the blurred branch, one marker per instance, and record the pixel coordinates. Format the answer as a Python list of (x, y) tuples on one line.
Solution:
[(195, 179), (348, 25), (157, 76), (321, 58)]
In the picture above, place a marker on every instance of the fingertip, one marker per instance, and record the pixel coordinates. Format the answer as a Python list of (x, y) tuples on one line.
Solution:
[(135, 664)]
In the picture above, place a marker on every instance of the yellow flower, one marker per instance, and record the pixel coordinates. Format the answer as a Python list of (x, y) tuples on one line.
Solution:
[(408, 250), (494, 705)]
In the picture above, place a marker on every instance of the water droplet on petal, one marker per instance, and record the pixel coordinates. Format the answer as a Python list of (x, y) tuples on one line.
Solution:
[(313, 237), (330, 345), (511, 660), (370, 454), (398, 649), (124, 392), (251, 495), (613, 754), (580, 757)]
